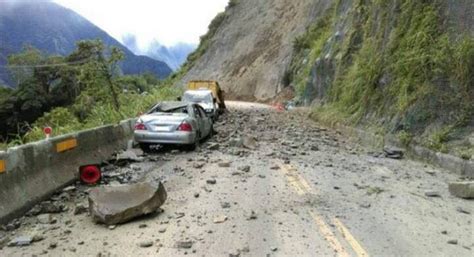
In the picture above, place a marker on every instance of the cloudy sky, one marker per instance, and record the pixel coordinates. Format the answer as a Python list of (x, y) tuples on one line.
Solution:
[(167, 21)]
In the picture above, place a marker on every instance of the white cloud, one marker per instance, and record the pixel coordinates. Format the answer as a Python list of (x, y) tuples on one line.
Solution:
[(168, 21)]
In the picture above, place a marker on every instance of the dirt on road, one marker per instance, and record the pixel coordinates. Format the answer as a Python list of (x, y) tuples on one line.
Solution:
[(268, 183)]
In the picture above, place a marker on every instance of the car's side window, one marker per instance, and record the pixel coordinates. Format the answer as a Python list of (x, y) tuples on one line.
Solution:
[(197, 113), (201, 111)]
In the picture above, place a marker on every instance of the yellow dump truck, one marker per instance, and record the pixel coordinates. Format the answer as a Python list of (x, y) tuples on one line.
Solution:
[(209, 85)]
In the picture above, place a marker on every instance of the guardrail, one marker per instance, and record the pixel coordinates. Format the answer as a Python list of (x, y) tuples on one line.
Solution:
[(32, 172)]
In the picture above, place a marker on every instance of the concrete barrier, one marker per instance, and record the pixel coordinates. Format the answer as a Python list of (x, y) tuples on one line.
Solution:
[(453, 163), (34, 171)]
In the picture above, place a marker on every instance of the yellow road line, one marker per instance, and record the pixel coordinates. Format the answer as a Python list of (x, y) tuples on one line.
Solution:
[(295, 178), (358, 249), (302, 187), (293, 181), (329, 236)]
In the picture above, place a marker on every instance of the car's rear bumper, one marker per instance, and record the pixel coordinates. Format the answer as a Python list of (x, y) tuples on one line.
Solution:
[(177, 137)]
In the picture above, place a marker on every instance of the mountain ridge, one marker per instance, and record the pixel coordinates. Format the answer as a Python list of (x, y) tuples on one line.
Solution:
[(29, 23)]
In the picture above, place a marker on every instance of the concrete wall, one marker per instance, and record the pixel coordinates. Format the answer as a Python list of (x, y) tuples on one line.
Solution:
[(36, 170)]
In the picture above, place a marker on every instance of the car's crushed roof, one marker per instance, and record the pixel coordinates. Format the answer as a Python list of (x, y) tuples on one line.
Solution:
[(168, 106)]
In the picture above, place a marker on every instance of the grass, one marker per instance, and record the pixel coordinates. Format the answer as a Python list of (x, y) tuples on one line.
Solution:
[(308, 49)]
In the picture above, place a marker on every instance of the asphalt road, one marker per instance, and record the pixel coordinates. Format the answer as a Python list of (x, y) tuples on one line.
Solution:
[(307, 191)]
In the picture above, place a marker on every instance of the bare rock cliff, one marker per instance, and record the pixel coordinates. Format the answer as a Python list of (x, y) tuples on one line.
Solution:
[(252, 48)]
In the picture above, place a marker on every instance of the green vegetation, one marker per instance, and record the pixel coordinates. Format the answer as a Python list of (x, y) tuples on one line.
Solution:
[(82, 90), (397, 68), (86, 93), (308, 48)]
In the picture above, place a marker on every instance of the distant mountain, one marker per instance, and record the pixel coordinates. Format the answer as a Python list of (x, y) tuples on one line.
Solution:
[(55, 30), (174, 56)]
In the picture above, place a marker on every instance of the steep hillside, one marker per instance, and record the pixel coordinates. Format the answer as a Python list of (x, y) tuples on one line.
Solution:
[(396, 67), (399, 67), (55, 30), (251, 44)]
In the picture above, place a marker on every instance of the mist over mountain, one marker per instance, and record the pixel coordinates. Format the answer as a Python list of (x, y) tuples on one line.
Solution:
[(54, 29), (174, 55)]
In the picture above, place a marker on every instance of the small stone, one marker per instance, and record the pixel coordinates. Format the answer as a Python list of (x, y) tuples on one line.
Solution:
[(69, 189), (196, 195), (275, 167), (112, 227), (234, 253), (80, 209), (198, 165), (175, 151), (21, 241), (80, 242), (146, 244), (365, 205), (46, 219), (444, 232), (162, 230), (393, 153), (37, 238), (274, 249), (211, 181), (245, 168), (432, 194), (224, 164), (225, 205), (53, 245), (261, 176), (453, 241), (220, 219), (462, 210), (213, 146), (184, 244), (142, 226), (252, 215)]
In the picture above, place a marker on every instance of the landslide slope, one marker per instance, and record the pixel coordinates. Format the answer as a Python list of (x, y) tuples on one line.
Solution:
[(399, 67), (249, 47)]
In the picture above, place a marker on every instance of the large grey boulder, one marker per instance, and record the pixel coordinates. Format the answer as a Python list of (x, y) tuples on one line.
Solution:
[(462, 189), (118, 204)]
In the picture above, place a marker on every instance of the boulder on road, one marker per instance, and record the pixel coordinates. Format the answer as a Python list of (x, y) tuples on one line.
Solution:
[(462, 189), (119, 204)]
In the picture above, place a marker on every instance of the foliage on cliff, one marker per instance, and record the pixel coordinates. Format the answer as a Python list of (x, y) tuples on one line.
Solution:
[(396, 67)]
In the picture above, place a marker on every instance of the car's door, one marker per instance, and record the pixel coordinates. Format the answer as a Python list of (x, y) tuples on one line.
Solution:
[(199, 120), (206, 120)]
